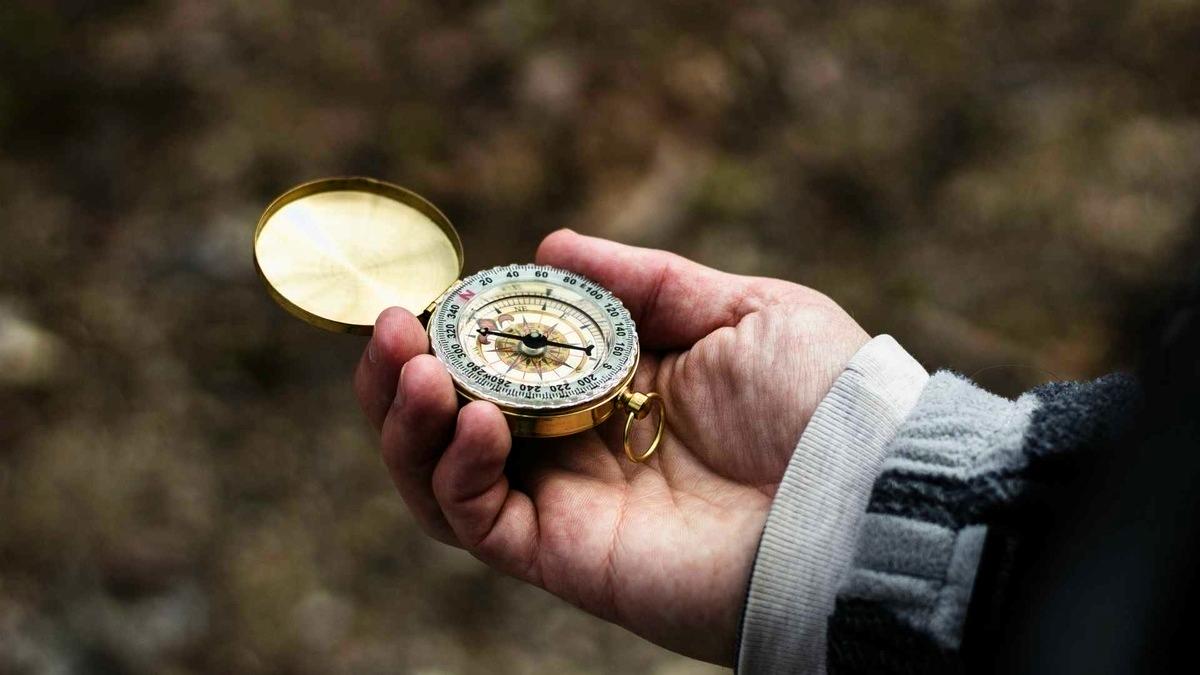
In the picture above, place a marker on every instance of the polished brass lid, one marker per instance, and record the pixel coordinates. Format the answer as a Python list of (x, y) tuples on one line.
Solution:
[(338, 251)]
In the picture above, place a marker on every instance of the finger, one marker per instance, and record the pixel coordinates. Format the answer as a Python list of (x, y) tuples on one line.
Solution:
[(397, 337), (415, 432), (497, 524), (674, 301)]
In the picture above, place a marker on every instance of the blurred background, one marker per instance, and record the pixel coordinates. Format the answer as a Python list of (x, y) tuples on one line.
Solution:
[(186, 485)]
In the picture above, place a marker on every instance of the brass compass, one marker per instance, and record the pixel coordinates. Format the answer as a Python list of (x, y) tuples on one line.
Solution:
[(553, 350)]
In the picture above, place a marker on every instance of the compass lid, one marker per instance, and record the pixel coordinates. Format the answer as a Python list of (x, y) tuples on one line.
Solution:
[(338, 251)]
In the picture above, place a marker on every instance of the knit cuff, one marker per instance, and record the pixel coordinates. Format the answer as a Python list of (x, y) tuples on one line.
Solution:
[(905, 596), (808, 542)]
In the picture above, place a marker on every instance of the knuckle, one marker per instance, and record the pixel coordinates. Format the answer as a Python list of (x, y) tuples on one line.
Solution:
[(435, 527), (394, 457), (443, 487), (485, 546)]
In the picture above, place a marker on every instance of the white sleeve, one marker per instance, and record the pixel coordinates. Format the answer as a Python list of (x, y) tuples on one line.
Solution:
[(809, 539)]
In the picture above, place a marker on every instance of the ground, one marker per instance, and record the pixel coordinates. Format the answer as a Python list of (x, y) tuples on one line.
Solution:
[(186, 484)]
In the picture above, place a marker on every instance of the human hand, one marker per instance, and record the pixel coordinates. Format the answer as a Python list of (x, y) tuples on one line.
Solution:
[(663, 548)]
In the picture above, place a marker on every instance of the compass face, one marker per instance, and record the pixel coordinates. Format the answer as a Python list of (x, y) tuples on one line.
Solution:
[(533, 337)]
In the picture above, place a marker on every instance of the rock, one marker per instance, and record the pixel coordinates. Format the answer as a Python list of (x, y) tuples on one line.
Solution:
[(29, 354)]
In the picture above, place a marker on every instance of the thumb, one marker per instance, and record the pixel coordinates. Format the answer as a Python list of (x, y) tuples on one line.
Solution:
[(673, 300)]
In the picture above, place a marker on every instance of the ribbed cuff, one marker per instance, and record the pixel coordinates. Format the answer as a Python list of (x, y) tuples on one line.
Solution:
[(808, 542)]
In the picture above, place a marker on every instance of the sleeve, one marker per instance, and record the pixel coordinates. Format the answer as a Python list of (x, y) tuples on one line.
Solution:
[(871, 554), (809, 538), (958, 464)]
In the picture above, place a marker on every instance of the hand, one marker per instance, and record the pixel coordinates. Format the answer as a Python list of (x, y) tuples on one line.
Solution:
[(663, 548)]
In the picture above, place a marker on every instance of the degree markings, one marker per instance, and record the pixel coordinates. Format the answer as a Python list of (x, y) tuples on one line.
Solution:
[(522, 290), (566, 309)]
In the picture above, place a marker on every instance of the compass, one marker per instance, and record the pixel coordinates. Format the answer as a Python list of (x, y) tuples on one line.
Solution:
[(555, 351)]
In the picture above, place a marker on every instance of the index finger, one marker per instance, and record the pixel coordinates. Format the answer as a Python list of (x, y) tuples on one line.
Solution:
[(398, 337)]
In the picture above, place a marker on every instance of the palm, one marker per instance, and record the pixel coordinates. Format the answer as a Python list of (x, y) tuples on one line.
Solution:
[(647, 527), (663, 548)]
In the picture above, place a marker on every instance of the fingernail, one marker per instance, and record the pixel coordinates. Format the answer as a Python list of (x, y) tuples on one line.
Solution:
[(372, 356), (400, 388)]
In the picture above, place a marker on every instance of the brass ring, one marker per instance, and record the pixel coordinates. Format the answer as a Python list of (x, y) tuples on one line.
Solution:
[(643, 410)]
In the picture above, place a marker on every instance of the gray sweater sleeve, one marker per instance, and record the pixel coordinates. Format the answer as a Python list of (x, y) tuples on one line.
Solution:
[(809, 539), (956, 464), (871, 552)]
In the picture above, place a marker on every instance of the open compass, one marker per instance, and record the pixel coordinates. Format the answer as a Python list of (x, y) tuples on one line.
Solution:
[(553, 350)]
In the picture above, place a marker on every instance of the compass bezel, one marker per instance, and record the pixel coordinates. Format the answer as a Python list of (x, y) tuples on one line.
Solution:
[(578, 395)]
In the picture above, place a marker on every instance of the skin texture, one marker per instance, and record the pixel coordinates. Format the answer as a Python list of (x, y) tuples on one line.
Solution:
[(664, 548)]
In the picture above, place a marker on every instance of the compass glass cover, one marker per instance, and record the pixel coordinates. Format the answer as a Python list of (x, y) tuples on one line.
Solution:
[(531, 336)]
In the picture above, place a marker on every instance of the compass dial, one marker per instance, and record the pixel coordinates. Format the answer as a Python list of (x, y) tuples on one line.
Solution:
[(531, 336)]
